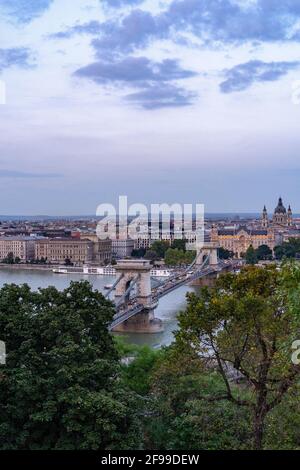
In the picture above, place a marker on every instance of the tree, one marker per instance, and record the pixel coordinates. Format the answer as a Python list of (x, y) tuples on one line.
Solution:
[(138, 373), (68, 262), (225, 254), (246, 328), (160, 247), (61, 388), (10, 259), (250, 256), (283, 424), (151, 255), (180, 244), (263, 252), (175, 257), (288, 249), (140, 253), (280, 252), (182, 416)]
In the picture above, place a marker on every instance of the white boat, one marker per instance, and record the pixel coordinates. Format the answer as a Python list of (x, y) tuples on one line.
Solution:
[(108, 271), (60, 271), (108, 286)]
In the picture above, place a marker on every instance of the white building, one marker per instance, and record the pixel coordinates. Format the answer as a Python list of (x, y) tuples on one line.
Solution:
[(122, 248)]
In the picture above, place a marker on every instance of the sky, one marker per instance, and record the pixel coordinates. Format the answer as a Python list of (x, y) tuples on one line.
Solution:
[(188, 101)]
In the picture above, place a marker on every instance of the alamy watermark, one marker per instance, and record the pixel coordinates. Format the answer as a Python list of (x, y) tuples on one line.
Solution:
[(158, 222)]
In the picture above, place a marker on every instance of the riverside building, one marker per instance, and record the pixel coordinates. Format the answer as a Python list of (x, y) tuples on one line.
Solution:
[(19, 247), (57, 251)]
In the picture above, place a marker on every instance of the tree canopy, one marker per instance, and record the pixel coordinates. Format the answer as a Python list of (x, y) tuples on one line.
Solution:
[(245, 328), (251, 256), (290, 249), (229, 381), (60, 387), (225, 254)]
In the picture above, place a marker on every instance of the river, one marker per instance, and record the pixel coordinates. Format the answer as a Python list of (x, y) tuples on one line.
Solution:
[(167, 310)]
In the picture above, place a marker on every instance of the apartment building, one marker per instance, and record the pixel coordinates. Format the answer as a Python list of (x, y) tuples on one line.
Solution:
[(122, 248), (102, 248), (20, 247), (59, 250)]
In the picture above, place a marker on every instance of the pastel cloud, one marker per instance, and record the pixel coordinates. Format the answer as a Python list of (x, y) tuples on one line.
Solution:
[(153, 78), (24, 10), (18, 56), (161, 95), (243, 76), (225, 21), (120, 3), (134, 70)]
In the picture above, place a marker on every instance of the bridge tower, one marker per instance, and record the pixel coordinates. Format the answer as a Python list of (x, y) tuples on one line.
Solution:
[(135, 274), (208, 249)]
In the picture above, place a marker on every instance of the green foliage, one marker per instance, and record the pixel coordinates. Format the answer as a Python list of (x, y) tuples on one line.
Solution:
[(10, 259), (288, 249), (60, 388), (179, 244), (247, 325), (69, 384), (183, 415), (138, 363), (160, 247), (251, 256), (264, 253), (283, 424), (137, 375), (140, 253), (151, 255), (175, 257), (41, 260)]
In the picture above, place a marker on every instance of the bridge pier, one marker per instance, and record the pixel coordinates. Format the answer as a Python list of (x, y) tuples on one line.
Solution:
[(143, 322), (138, 272), (207, 281), (210, 250)]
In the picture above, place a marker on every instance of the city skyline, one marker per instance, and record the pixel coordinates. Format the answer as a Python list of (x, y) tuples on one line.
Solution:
[(164, 101)]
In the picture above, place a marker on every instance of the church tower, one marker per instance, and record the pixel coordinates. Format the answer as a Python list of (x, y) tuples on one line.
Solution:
[(280, 216), (265, 218), (290, 217)]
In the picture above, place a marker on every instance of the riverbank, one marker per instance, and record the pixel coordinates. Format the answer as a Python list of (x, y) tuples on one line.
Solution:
[(30, 267)]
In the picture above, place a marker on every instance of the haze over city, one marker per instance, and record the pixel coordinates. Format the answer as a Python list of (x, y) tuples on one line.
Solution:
[(145, 98)]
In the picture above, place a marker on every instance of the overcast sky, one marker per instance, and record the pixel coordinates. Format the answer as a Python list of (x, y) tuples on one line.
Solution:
[(161, 100)]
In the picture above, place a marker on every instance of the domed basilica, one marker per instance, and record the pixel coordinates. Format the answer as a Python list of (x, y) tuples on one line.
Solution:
[(270, 232), (282, 218)]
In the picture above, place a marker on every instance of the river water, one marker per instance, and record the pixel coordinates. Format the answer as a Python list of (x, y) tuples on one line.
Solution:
[(167, 310)]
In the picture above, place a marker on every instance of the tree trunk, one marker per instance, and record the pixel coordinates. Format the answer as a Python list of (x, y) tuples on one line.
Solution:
[(259, 423)]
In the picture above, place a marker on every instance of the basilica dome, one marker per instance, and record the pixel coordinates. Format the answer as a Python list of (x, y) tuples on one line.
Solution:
[(280, 209)]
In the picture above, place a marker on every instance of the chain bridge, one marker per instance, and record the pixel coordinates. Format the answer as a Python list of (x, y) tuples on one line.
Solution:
[(136, 298)]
